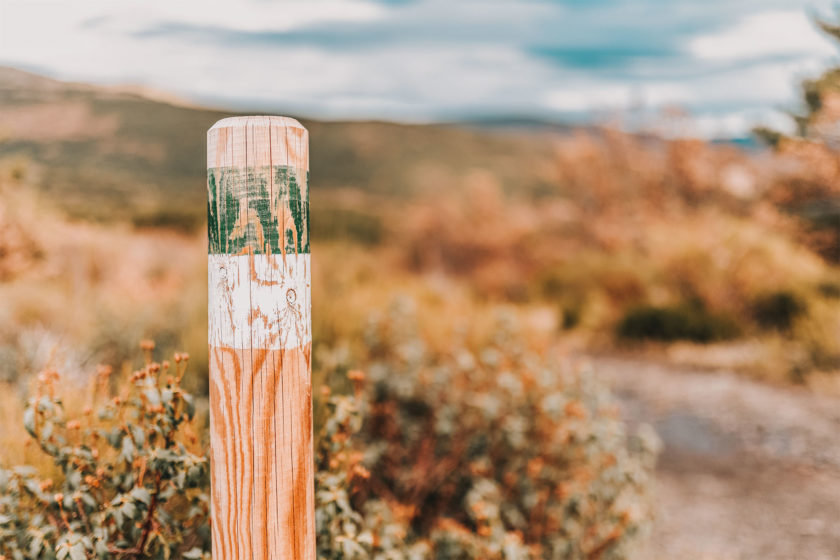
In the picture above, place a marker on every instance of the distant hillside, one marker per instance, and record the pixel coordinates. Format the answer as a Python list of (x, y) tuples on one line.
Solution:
[(112, 154)]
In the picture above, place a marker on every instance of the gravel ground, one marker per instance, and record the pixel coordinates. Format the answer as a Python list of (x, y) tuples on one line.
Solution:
[(748, 471)]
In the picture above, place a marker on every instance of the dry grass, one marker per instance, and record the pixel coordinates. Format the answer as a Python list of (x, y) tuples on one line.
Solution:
[(624, 222), (76, 294)]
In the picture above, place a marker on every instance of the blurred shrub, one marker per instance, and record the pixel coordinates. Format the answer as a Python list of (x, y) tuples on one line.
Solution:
[(807, 186), (571, 313), (688, 321), (571, 298), (346, 224), (20, 247), (778, 310), (590, 286), (81, 294), (185, 221), (829, 289), (480, 451)]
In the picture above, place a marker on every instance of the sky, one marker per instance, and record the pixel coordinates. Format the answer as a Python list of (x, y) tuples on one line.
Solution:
[(730, 64)]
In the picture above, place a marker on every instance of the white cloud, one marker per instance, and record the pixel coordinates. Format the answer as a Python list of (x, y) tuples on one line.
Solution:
[(573, 97), (394, 83), (766, 34), (243, 15), (434, 58)]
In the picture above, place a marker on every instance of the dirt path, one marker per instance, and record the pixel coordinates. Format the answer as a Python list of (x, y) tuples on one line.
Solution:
[(747, 471)]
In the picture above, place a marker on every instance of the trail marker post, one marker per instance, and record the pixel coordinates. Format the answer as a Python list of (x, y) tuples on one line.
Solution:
[(260, 339)]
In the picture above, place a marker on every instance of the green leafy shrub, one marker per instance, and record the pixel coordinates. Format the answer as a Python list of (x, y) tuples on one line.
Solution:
[(778, 310), (131, 480), (681, 322), (479, 450)]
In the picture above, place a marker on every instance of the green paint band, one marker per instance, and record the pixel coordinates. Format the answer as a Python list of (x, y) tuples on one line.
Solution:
[(248, 208)]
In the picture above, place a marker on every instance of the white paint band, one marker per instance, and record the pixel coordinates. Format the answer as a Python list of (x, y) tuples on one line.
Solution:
[(259, 301)]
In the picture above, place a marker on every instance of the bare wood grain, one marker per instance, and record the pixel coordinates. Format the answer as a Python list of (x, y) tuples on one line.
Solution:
[(260, 340)]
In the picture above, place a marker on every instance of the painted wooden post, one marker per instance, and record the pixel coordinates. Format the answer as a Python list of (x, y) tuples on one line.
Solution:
[(260, 339)]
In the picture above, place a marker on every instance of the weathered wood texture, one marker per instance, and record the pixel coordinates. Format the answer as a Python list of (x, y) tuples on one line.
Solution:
[(260, 339)]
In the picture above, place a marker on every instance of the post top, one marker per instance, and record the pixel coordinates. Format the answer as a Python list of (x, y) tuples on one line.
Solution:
[(249, 141), (257, 120)]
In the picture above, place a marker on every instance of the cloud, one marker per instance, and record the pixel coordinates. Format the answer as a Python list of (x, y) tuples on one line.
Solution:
[(419, 60), (767, 34), (245, 15)]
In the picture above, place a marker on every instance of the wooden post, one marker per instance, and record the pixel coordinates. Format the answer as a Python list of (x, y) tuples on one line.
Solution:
[(260, 340)]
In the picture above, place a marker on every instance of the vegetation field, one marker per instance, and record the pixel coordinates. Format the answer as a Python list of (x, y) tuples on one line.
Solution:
[(459, 274)]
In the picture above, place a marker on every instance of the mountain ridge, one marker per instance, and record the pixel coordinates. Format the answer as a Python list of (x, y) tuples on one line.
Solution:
[(109, 154)]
